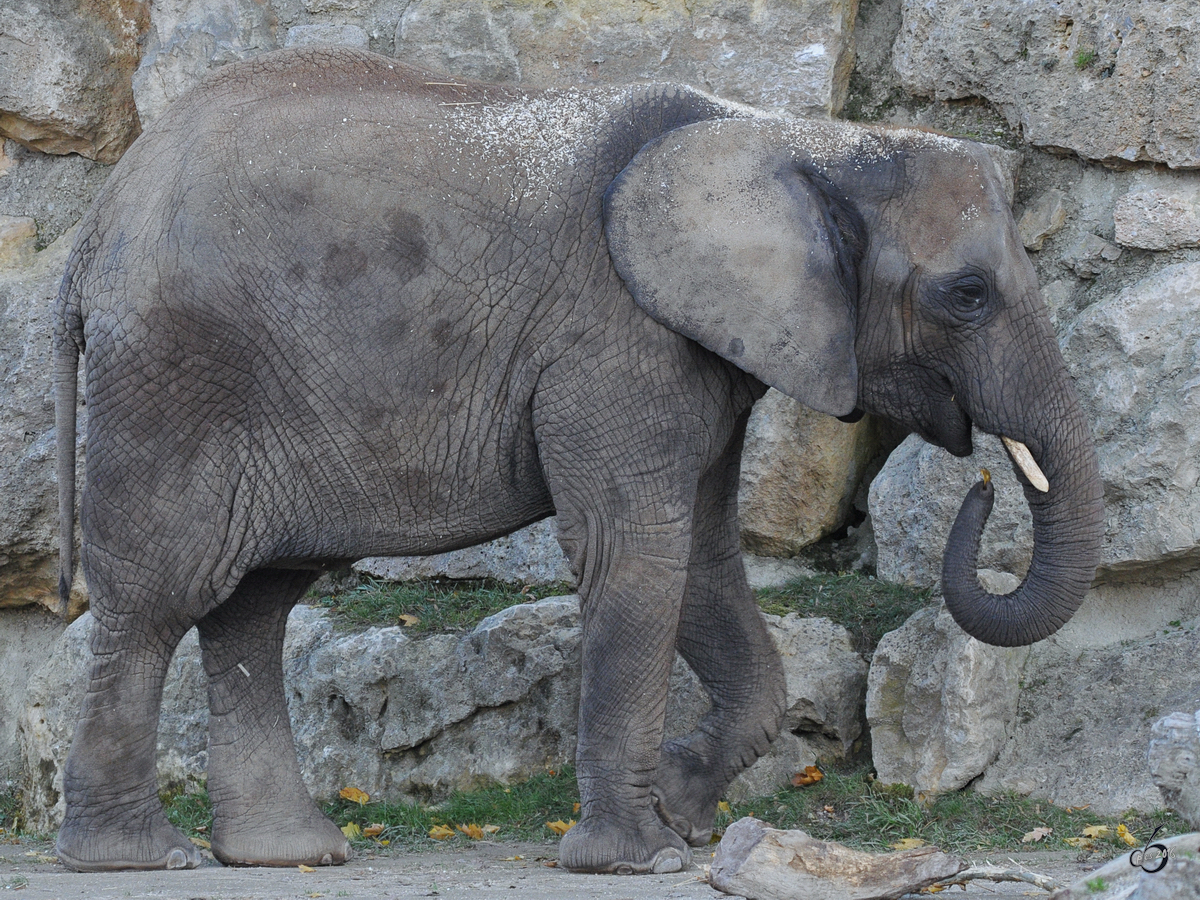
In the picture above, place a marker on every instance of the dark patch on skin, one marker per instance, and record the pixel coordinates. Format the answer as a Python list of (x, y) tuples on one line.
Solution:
[(341, 264), (736, 348), (405, 248), (442, 333)]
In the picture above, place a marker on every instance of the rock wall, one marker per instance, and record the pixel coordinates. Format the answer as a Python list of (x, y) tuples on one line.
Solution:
[(1093, 108)]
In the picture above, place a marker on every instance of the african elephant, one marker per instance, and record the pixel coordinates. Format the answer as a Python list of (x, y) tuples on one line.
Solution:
[(333, 307)]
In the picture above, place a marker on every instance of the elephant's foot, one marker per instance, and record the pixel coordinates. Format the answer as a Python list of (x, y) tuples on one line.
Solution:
[(311, 840), (148, 841), (601, 845), (684, 795)]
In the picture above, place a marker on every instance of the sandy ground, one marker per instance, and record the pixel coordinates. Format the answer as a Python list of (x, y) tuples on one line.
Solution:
[(28, 871)]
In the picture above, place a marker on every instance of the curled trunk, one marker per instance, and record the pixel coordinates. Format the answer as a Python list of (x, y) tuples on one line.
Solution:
[(1068, 524)]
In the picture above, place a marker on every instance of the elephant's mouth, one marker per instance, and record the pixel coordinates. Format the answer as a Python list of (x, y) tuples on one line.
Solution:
[(951, 425)]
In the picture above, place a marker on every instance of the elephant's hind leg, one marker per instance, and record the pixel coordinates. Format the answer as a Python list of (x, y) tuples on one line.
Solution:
[(262, 812), (723, 638), (114, 819)]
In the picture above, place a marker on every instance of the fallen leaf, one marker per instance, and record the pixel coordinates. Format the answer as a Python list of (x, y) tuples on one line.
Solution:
[(201, 843), (354, 795), (490, 829), (1077, 842), (512, 858), (908, 844), (575, 808), (408, 621), (305, 869), (1072, 809), (829, 809), (933, 889), (441, 832), (560, 827), (810, 775), (473, 831), (375, 829), (385, 843), (551, 864), (1095, 831), (1123, 834), (723, 806), (1036, 835), (351, 830)]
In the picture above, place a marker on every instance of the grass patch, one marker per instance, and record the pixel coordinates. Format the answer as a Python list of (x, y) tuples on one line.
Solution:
[(11, 820), (430, 606), (190, 812), (520, 812), (849, 807), (866, 607)]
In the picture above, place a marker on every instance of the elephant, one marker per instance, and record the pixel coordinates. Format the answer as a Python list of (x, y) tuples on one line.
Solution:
[(331, 307)]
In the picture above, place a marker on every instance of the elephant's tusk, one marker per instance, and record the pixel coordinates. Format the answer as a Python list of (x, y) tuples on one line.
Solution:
[(1024, 459)]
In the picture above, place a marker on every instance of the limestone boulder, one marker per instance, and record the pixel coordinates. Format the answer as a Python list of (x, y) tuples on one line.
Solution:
[(27, 637), (800, 472), (29, 513), (1107, 80), (399, 716), (1135, 357), (774, 55), (1165, 217), (1174, 757), (939, 703), (1176, 879), (65, 74)]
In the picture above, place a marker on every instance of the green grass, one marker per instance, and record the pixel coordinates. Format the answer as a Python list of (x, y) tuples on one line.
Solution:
[(866, 607), (437, 605), (10, 814), (1084, 58), (846, 806)]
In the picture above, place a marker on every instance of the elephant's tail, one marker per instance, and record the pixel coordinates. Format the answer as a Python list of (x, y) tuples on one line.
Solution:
[(68, 345)]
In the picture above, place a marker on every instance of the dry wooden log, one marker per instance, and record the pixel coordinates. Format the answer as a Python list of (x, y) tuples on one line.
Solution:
[(763, 863)]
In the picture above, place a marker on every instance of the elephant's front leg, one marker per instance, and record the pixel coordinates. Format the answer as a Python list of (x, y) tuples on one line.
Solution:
[(262, 812), (629, 622), (723, 638)]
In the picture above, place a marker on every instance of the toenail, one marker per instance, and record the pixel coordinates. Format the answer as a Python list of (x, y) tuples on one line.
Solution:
[(667, 861), (625, 870), (326, 860), (177, 859)]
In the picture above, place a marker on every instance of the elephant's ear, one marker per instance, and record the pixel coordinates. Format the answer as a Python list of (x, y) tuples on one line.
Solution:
[(722, 234)]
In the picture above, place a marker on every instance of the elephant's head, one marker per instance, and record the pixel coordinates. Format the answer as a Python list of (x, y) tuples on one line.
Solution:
[(877, 270)]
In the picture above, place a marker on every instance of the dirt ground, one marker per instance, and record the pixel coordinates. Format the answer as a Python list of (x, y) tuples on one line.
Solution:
[(28, 871)]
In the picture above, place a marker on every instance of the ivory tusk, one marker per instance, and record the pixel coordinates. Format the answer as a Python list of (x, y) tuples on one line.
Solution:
[(1024, 459)]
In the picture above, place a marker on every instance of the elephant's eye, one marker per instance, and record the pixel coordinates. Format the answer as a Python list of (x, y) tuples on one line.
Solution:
[(967, 295)]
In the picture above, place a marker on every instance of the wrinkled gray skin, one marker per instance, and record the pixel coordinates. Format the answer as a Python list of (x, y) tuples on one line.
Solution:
[(333, 311)]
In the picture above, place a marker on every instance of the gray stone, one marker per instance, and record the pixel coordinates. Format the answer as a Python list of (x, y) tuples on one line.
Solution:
[(939, 703), (800, 472), (758, 862), (1091, 693), (1154, 218), (345, 35), (54, 191), (29, 513), (1174, 757), (770, 572), (529, 556), (1108, 80), (26, 638), (401, 717), (17, 237), (1044, 217), (65, 69), (1179, 879), (774, 55), (187, 38), (1090, 255)]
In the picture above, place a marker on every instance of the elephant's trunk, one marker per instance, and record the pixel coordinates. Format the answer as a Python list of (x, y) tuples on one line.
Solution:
[(1068, 524)]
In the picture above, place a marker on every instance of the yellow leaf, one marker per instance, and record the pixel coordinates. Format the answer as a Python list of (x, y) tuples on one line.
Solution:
[(575, 808), (1123, 834), (441, 832), (1077, 841), (354, 795), (201, 842), (810, 775), (934, 889), (723, 806), (408, 621), (306, 869), (473, 831), (375, 829), (512, 858), (490, 829), (385, 843), (560, 827), (908, 844), (351, 831), (1095, 831), (1036, 835)]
